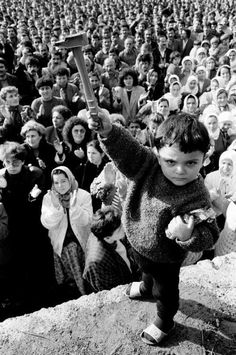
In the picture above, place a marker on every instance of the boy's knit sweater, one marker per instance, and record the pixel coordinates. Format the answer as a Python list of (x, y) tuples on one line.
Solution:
[(152, 201)]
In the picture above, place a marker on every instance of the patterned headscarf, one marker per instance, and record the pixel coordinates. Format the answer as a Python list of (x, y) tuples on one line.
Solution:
[(65, 199)]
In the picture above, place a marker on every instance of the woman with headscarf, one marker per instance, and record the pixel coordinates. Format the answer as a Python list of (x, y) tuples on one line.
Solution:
[(67, 214), (187, 69), (207, 97), (191, 86), (224, 72), (191, 104), (218, 139), (203, 82), (174, 97), (222, 183)]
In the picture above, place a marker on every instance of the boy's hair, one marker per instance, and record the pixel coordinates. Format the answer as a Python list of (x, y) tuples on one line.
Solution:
[(105, 222), (62, 72), (8, 90), (185, 130), (12, 150), (44, 81)]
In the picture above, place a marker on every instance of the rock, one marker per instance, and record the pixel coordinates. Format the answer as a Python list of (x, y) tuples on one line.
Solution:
[(109, 323)]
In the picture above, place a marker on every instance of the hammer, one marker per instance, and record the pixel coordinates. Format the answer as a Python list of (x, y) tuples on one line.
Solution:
[(75, 42)]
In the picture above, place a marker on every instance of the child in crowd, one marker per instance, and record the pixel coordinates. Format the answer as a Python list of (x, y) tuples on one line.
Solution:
[(107, 261), (163, 190)]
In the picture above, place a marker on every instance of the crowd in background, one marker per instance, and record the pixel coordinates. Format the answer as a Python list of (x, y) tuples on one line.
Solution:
[(61, 234)]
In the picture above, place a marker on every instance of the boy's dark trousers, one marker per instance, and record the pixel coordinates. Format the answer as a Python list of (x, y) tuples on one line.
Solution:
[(161, 281)]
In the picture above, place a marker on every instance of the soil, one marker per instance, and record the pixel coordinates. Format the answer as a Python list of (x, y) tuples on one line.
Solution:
[(109, 323)]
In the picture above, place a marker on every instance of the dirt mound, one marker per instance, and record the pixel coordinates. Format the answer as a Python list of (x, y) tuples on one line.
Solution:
[(108, 323)]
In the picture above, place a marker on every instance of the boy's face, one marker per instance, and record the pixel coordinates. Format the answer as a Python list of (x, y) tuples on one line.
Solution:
[(12, 99), (45, 92), (61, 80), (179, 167)]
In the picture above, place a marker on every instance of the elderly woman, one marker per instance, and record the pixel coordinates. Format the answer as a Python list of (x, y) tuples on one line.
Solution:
[(39, 152), (126, 95), (67, 214)]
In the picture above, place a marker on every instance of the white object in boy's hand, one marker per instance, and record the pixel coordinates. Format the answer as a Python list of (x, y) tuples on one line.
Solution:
[(35, 192), (178, 229)]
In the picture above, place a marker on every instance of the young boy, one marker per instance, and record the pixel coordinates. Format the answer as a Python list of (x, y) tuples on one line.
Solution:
[(43, 105), (163, 190)]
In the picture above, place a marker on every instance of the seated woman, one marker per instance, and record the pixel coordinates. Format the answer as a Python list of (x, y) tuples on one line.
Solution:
[(107, 260), (67, 214)]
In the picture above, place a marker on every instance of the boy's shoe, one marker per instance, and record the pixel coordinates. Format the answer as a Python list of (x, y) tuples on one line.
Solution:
[(153, 335)]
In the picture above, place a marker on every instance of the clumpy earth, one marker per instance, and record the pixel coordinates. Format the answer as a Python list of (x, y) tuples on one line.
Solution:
[(108, 323)]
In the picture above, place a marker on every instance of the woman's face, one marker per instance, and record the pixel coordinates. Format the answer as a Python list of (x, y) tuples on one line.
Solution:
[(78, 133), (128, 81), (201, 75), (12, 99), (187, 65), (225, 74), (192, 84), (232, 56), (191, 105), (94, 156), (212, 124), (226, 167), (153, 78), (175, 90), (214, 85), (61, 183), (210, 64), (33, 138), (57, 120), (222, 99), (163, 108)]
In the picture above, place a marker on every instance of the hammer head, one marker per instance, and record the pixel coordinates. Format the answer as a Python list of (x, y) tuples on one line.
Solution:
[(73, 41)]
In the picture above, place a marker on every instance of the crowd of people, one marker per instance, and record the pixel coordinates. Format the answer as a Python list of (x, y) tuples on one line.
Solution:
[(160, 72)]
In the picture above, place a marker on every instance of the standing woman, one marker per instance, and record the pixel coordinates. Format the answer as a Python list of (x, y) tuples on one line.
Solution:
[(67, 214), (39, 152), (76, 136), (224, 72), (126, 95), (93, 167)]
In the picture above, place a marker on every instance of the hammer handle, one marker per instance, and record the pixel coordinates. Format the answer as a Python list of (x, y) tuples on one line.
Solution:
[(88, 91)]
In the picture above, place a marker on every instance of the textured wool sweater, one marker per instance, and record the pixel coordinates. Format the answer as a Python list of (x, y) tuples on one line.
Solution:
[(152, 201)]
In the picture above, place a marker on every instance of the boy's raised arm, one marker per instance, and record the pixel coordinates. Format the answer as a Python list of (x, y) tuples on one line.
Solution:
[(131, 158)]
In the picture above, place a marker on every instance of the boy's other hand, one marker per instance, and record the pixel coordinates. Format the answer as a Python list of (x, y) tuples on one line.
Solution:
[(178, 229)]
